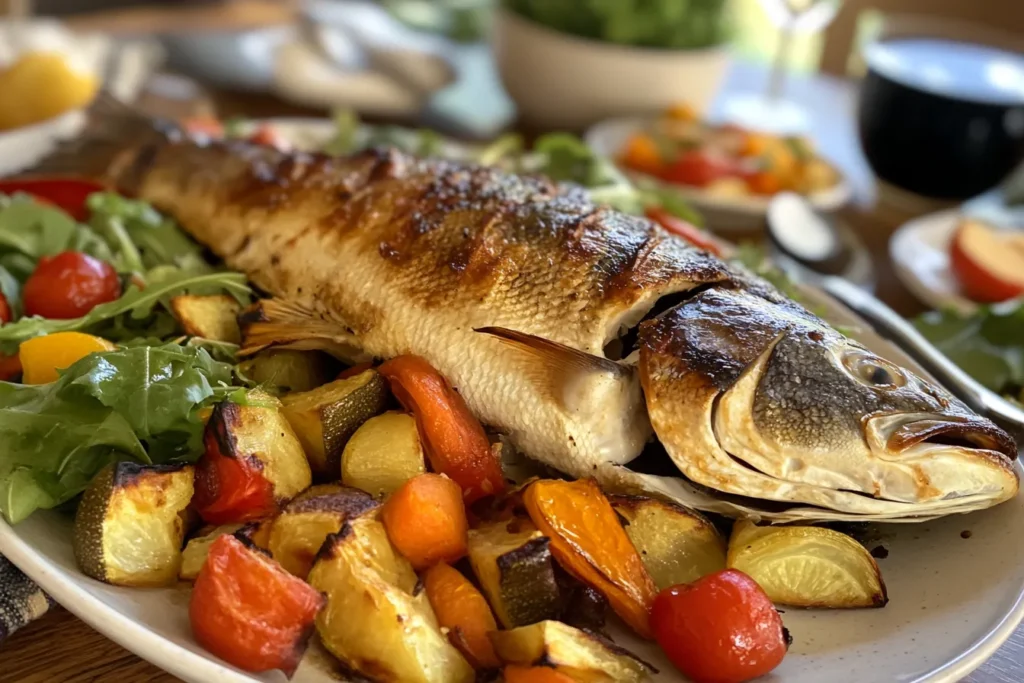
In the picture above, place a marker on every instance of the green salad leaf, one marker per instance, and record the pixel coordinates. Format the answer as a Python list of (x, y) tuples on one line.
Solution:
[(34, 230), (138, 403), (988, 344)]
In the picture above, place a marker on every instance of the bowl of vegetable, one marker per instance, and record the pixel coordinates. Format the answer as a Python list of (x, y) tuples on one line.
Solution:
[(729, 174), (568, 64)]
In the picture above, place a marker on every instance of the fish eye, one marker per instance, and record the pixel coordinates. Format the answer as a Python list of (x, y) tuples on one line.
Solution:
[(873, 371)]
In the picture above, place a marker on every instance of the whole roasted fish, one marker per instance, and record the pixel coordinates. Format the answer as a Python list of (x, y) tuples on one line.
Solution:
[(579, 332)]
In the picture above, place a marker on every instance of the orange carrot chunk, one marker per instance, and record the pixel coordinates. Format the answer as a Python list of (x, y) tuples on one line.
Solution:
[(454, 440), (514, 673), (464, 611), (589, 542), (426, 520)]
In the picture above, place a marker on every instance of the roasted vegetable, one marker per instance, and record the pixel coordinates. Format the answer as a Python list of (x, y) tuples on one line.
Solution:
[(513, 563), (464, 612), (513, 673), (721, 628), (130, 524), (378, 621), (582, 606), (284, 370), (676, 545), (42, 357), (426, 520), (210, 317), (806, 566), (298, 532), (253, 461), (193, 557), (454, 439), (383, 454), (326, 417), (250, 612), (580, 655), (589, 542)]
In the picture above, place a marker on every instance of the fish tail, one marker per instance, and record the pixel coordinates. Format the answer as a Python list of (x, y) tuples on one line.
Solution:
[(116, 146)]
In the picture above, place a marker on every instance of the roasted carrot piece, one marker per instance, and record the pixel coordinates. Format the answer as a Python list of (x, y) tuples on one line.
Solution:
[(426, 520), (590, 543), (249, 611), (514, 673), (642, 154), (464, 611), (453, 438)]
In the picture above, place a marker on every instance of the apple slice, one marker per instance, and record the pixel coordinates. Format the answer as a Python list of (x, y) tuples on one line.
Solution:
[(989, 263)]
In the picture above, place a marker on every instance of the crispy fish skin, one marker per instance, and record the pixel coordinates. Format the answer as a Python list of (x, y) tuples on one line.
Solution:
[(514, 288)]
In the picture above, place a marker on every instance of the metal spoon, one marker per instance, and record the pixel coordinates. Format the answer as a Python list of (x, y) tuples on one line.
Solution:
[(885, 320)]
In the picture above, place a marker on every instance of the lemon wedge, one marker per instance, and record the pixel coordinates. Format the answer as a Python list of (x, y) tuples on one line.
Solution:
[(806, 566), (42, 85)]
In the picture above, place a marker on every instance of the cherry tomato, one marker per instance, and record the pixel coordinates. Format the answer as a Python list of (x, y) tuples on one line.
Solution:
[(699, 169), (5, 310), (68, 194), (10, 367), (688, 231), (721, 628), (268, 135), (246, 609), (764, 182), (69, 285), (641, 154)]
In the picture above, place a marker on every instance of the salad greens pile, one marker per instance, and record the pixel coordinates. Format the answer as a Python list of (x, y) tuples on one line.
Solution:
[(988, 344), (139, 401), (669, 24)]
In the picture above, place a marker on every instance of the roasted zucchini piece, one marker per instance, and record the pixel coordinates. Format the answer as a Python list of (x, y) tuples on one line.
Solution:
[(378, 620), (284, 370), (807, 566), (579, 655), (513, 563), (130, 524), (298, 532), (384, 453), (210, 317), (326, 417), (253, 462), (675, 544)]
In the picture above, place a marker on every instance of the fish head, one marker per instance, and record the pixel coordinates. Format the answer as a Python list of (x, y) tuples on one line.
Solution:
[(783, 407)]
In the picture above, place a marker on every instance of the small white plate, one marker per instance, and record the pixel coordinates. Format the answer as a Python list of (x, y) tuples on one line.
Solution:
[(920, 255), (723, 214)]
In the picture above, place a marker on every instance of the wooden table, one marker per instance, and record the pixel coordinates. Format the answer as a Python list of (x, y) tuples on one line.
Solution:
[(61, 649)]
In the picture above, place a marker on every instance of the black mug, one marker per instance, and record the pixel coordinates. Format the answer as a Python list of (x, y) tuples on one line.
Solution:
[(942, 119)]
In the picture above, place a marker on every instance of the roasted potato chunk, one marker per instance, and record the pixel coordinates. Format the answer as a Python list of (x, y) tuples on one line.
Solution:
[(253, 462), (513, 563), (283, 370), (807, 566), (130, 524), (298, 532), (210, 317), (384, 453), (579, 655), (675, 544), (326, 417), (196, 550), (378, 620)]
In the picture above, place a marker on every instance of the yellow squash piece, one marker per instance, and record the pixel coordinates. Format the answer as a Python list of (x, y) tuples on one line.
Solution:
[(40, 86), (807, 566), (675, 544), (42, 357), (130, 524), (378, 620)]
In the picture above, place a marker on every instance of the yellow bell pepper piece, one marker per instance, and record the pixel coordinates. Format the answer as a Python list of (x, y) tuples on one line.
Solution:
[(40, 86), (42, 357)]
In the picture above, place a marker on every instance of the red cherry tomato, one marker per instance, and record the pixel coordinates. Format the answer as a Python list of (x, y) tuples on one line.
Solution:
[(5, 310), (688, 231), (721, 628), (69, 285), (699, 169), (68, 194)]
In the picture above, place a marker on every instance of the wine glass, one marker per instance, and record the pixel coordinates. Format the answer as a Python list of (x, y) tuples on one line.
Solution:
[(771, 111)]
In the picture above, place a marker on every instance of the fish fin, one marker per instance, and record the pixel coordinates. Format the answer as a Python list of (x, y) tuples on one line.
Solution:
[(109, 147), (563, 360), (276, 323)]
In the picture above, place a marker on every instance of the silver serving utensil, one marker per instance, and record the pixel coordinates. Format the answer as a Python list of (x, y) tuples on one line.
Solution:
[(891, 324)]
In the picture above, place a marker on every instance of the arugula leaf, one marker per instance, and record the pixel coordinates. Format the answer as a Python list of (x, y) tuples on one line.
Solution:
[(136, 305), (346, 133), (138, 403), (988, 344), (35, 230)]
